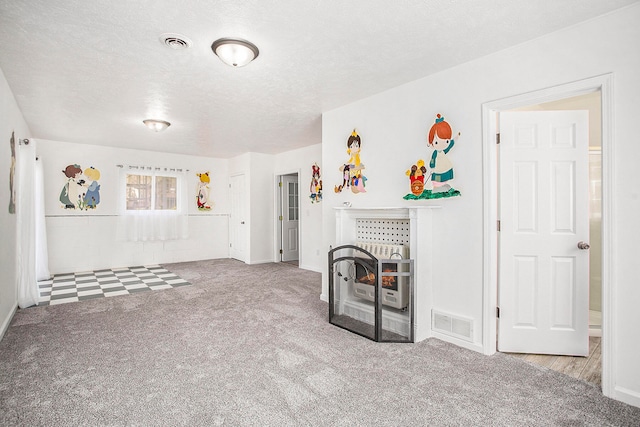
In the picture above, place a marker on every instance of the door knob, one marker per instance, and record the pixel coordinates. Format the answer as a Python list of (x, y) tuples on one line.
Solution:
[(583, 245)]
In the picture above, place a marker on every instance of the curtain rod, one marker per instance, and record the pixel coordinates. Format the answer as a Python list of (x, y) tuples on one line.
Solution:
[(154, 168)]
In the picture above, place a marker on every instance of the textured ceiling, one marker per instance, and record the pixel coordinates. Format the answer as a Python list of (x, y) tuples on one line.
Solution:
[(91, 71)]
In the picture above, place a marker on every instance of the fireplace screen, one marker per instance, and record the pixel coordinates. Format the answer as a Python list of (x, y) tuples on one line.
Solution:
[(371, 296)]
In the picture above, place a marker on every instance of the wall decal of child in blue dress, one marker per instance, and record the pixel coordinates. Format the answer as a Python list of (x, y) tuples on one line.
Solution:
[(81, 190), (440, 172)]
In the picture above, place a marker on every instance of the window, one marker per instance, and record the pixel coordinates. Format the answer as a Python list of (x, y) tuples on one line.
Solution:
[(153, 204), (293, 201), (146, 192)]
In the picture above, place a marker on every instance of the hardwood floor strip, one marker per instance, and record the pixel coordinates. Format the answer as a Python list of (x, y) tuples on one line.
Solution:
[(569, 365), (545, 360), (587, 368), (592, 372)]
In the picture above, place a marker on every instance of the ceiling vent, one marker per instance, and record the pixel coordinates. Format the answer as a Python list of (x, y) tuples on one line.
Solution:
[(175, 41)]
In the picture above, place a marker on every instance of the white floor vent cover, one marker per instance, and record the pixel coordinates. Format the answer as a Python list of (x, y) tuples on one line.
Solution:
[(455, 326)]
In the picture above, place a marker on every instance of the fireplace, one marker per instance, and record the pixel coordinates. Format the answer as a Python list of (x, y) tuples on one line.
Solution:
[(395, 289), (410, 227)]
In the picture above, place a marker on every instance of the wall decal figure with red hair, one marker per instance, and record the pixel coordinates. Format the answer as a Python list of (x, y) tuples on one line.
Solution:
[(440, 172)]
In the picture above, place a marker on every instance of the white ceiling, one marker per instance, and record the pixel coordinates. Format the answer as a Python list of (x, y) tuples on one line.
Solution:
[(91, 71)]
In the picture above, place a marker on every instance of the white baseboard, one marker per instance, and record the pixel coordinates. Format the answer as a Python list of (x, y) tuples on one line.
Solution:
[(264, 261), (310, 268), (7, 321), (460, 343), (627, 396)]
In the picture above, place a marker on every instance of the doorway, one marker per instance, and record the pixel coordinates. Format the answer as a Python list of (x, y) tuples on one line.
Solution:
[(491, 112), (288, 218)]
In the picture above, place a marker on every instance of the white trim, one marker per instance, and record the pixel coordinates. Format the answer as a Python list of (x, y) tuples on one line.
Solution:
[(490, 111), (263, 261), (473, 346), (626, 395), (7, 320), (310, 268), (608, 232)]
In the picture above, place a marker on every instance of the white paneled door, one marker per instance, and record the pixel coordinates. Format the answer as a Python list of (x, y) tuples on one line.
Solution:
[(238, 218), (290, 217), (544, 232)]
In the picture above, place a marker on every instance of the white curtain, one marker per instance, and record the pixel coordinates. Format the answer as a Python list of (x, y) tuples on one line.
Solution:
[(151, 225), (26, 225), (42, 253)]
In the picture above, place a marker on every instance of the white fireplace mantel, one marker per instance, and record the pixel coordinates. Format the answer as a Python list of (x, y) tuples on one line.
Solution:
[(420, 247)]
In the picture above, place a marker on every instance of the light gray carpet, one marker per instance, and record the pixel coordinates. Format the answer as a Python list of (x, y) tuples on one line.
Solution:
[(251, 345)]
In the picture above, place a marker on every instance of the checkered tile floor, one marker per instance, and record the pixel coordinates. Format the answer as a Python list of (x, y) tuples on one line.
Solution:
[(74, 287)]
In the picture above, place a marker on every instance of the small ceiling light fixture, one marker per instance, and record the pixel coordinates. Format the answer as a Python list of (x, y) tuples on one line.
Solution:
[(157, 125), (235, 52)]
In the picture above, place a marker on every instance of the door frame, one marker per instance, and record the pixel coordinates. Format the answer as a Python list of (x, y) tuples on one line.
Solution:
[(490, 112), (277, 229)]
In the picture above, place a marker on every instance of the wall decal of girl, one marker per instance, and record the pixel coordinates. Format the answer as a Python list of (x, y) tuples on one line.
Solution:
[(352, 176), (315, 188), (441, 167), (440, 171), (72, 194), (203, 192), (92, 196)]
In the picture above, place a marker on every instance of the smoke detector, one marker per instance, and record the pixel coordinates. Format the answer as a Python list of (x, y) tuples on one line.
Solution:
[(175, 41)]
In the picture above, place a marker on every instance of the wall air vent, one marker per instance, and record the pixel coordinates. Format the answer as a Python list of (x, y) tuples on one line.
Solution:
[(175, 41), (455, 326)]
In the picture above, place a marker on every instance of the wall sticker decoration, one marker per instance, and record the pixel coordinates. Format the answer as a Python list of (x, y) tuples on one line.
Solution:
[(92, 195), (203, 191), (440, 171), (352, 176), (12, 171), (81, 190), (315, 188), (416, 176)]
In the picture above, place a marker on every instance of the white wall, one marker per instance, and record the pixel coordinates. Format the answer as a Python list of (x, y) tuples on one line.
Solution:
[(11, 120), (260, 171), (87, 240), (312, 256), (258, 200), (261, 205), (394, 124)]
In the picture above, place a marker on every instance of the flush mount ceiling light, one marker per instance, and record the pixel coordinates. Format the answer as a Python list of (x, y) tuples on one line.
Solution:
[(235, 52), (157, 125)]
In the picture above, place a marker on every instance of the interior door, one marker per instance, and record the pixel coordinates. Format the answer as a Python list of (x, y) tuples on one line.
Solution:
[(237, 222), (544, 232), (290, 217)]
